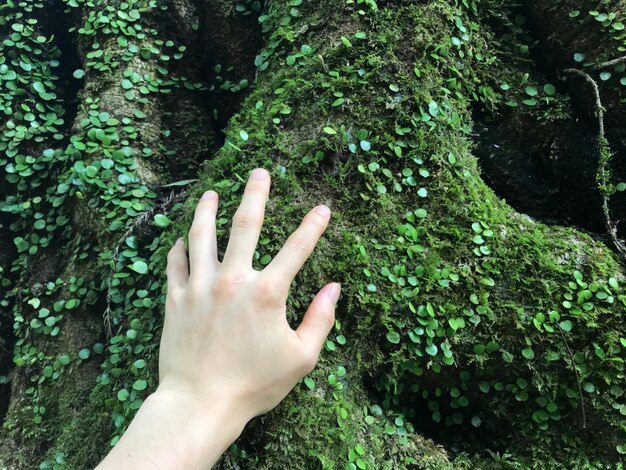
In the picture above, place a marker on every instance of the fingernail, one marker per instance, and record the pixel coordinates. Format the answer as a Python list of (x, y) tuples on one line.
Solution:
[(334, 291), (259, 174), (323, 211), (207, 196), (180, 240)]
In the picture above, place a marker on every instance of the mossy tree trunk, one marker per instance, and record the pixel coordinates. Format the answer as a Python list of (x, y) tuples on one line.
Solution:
[(461, 320)]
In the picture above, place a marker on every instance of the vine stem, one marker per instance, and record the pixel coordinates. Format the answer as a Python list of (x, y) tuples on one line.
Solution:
[(596, 94), (603, 173), (580, 389), (610, 63), (137, 224)]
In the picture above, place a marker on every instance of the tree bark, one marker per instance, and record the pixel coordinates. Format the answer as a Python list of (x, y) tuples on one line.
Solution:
[(461, 320)]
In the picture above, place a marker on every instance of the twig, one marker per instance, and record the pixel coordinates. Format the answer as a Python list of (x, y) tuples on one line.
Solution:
[(138, 223), (580, 389), (603, 173), (610, 63), (106, 316), (596, 94)]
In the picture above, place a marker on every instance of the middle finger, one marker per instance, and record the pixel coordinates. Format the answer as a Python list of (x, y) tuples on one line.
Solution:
[(248, 220)]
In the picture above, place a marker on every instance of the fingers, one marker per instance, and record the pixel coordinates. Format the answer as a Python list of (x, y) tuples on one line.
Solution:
[(203, 239), (177, 267), (318, 321), (248, 221), (299, 245)]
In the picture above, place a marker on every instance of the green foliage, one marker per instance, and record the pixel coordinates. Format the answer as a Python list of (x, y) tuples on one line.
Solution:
[(458, 310), (612, 29), (467, 331), (75, 197)]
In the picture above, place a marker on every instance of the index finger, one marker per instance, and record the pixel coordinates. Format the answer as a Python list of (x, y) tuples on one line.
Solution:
[(299, 245)]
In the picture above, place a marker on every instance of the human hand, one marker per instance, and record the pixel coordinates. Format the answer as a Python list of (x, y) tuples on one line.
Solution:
[(226, 338), (227, 352)]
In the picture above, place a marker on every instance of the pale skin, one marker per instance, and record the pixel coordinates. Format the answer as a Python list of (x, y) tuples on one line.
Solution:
[(227, 353)]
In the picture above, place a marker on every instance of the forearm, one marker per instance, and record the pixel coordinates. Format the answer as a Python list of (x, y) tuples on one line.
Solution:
[(168, 432)]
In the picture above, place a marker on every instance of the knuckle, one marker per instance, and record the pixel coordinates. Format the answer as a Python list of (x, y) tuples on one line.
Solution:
[(225, 284), (245, 220), (173, 297), (194, 293), (196, 232), (301, 243), (316, 221), (268, 291)]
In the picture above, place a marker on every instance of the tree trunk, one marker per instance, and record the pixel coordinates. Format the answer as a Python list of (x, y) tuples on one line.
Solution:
[(468, 334)]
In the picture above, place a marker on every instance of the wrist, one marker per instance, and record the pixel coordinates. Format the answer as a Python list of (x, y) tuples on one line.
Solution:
[(173, 430), (203, 407), (201, 430)]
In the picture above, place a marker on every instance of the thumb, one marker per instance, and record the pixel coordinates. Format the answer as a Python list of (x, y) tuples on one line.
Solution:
[(319, 319)]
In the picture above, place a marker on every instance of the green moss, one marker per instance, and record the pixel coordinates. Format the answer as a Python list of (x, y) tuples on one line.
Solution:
[(444, 285), (477, 301)]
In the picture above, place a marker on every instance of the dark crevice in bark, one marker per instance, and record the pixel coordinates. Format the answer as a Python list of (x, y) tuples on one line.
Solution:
[(55, 24), (39, 270), (547, 168), (194, 135), (7, 340), (231, 41), (419, 410), (560, 37)]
